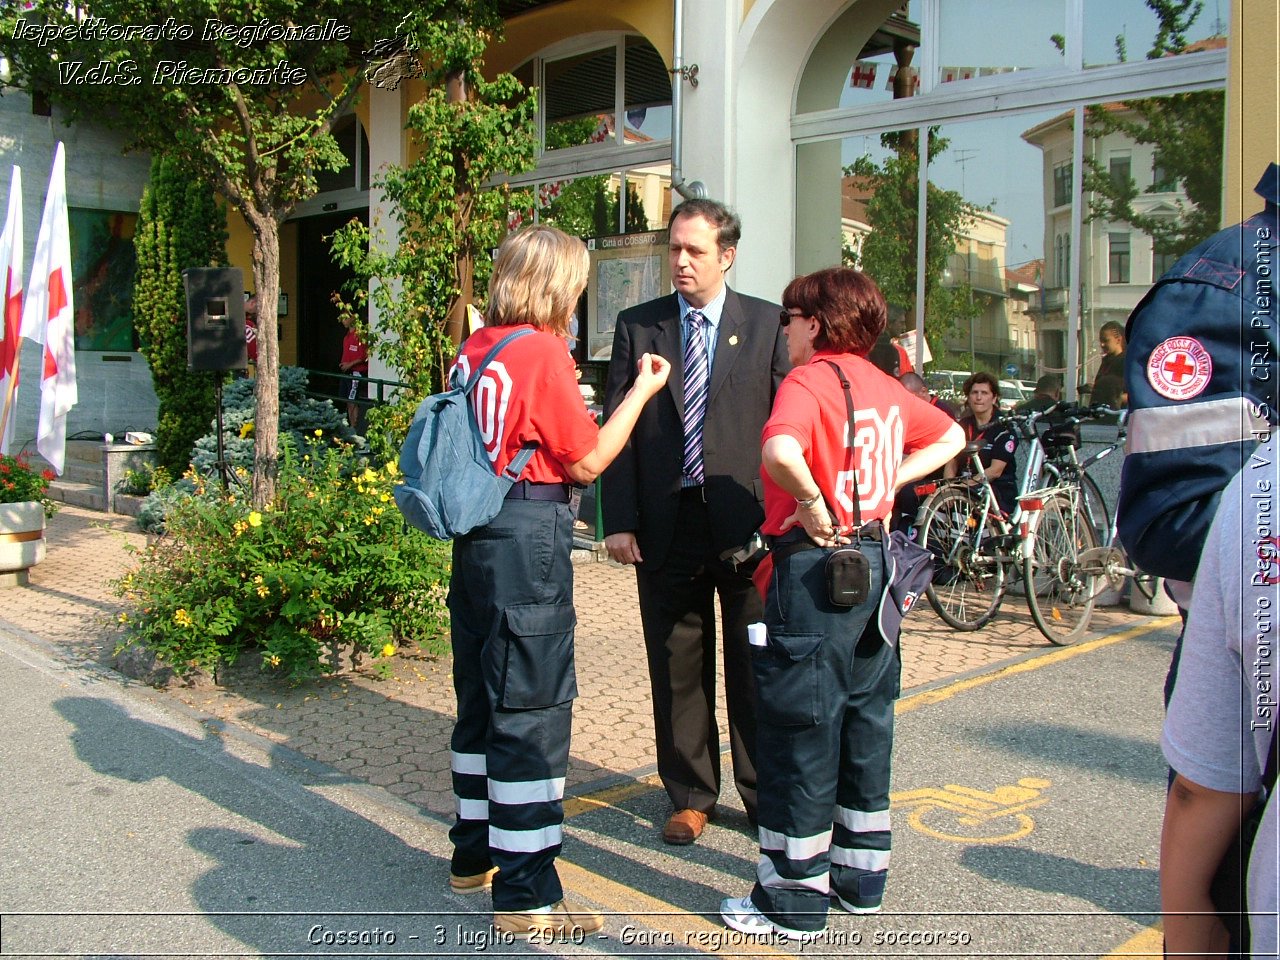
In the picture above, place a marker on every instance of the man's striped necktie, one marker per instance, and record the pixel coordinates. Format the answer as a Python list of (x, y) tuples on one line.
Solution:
[(696, 382)]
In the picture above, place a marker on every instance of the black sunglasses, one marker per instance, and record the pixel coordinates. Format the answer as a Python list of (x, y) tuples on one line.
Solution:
[(785, 318)]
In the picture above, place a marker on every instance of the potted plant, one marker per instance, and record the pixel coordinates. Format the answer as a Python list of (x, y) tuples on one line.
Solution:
[(24, 505)]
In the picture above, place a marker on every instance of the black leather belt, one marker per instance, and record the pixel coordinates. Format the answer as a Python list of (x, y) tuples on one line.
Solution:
[(528, 490), (793, 542)]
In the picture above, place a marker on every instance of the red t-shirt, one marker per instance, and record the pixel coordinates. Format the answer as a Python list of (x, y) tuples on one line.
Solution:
[(353, 348), (529, 393), (251, 339), (889, 421)]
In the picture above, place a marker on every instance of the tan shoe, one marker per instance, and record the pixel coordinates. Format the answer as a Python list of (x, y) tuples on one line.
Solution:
[(684, 827), (564, 919), (476, 883)]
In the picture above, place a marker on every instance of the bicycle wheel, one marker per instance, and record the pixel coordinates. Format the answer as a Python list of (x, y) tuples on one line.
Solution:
[(968, 583), (1059, 595), (1095, 509)]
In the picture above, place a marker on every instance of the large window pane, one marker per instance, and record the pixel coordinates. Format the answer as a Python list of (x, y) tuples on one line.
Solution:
[(857, 205), (1122, 30), (648, 198), (873, 74), (579, 98), (1000, 222), (1135, 230), (647, 93), (998, 36)]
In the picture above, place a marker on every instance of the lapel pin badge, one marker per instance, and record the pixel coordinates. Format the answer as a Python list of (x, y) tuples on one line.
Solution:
[(733, 340)]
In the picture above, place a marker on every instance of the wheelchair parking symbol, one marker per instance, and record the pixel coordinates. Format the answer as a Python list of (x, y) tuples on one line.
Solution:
[(967, 815)]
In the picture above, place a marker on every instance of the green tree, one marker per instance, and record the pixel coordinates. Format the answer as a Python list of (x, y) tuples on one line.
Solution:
[(224, 90), (889, 250), (446, 219), (1186, 130), (180, 225)]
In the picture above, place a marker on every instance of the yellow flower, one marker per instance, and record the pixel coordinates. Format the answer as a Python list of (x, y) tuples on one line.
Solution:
[(182, 618), (246, 428), (369, 475), (255, 519), (264, 591), (389, 650), (384, 497), (319, 432), (240, 527), (273, 660)]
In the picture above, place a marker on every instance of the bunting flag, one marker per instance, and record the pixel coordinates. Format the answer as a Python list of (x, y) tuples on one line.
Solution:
[(863, 74), (912, 74), (951, 74), (11, 310), (47, 318)]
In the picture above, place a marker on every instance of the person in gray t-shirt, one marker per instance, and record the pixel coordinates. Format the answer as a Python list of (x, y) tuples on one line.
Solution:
[(1222, 716)]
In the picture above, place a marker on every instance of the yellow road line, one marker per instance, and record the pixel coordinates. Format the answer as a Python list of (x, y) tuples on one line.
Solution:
[(687, 931), (1147, 945), (609, 797), (915, 701)]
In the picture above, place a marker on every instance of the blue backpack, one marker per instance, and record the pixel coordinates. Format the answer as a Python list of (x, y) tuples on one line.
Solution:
[(449, 485)]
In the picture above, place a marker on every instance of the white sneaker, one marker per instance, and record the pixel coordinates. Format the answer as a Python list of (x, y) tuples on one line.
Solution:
[(848, 907), (744, 916)]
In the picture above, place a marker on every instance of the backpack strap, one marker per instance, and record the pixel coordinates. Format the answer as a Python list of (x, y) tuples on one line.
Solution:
[(493, 352), (521, 459)]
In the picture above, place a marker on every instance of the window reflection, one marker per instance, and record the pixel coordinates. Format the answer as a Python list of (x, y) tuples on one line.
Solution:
[(1117, 31), (1008, 36)]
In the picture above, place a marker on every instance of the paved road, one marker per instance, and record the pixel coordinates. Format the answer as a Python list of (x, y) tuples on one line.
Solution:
[(1028, 805)]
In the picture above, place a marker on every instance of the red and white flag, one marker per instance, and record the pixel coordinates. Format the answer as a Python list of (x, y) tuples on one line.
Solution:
[(863, 74), (47, 318), (11, 310)]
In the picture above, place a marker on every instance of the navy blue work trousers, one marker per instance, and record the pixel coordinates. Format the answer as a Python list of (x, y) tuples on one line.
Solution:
[(825, 688), (511, 604)]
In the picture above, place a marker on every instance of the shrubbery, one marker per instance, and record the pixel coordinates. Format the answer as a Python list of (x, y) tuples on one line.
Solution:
[(331, 568)]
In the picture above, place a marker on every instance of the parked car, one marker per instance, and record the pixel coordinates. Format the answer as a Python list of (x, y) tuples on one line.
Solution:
[(1011, 394)]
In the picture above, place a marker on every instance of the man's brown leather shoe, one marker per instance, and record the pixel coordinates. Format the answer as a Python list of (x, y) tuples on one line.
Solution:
[(684, 827)]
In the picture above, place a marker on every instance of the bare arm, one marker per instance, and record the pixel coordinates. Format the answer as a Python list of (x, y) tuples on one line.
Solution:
[(940, 453), (1199, 825), (652, 376), (784, 461)]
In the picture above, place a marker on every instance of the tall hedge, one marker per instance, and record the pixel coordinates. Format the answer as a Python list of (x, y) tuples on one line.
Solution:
[(180, 225)]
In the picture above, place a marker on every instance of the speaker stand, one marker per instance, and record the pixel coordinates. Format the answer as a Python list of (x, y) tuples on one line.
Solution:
[(221, 465)]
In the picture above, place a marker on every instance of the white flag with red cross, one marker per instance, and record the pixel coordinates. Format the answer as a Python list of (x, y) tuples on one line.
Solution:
[(11, 309), (863, 74), (47, 318)]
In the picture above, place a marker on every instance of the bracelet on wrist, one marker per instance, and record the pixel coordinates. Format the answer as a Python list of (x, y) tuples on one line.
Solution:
[(806, 504)]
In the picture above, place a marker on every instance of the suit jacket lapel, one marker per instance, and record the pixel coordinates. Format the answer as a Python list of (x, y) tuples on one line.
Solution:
[(666, 343), (732, 332)]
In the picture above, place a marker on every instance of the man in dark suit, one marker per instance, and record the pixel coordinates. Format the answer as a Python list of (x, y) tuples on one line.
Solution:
[(685, 494)]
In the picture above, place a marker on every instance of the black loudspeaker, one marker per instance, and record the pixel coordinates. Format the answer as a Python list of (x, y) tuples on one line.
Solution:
[(215, 318)]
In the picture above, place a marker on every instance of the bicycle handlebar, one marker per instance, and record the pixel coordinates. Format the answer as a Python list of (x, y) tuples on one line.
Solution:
[(1069, 413)]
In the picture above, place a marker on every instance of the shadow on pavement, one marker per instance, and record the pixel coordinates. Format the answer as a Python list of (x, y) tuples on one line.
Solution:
[(1119, 890)]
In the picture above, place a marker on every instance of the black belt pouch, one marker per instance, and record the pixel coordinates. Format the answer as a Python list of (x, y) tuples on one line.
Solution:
[(848, 577)]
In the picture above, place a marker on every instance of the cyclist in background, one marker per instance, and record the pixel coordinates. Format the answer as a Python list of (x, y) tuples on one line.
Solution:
[(999, 442)]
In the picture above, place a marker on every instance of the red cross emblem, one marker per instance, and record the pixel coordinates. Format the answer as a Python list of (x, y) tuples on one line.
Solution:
[(1179, 368)]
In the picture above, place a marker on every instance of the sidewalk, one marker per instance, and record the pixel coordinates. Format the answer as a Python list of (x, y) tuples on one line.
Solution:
[(394, 733)]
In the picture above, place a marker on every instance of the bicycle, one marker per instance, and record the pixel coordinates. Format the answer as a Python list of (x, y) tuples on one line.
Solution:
[(976, 545), (1108, 561)]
